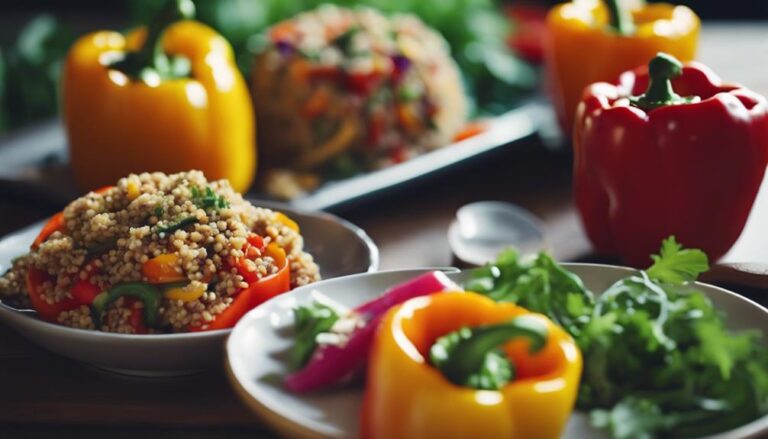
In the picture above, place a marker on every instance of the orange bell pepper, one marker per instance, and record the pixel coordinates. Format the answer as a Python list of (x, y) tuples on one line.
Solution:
[(167, 98), (592, 41), (406, 397)]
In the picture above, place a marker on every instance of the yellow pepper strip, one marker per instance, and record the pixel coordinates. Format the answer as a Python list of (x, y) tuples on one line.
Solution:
[(585, 46), (117, 123), (406, 397), (163, 269), (287, 221), (188, 293)]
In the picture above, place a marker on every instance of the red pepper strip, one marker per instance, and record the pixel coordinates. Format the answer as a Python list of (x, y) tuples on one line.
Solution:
[(84, 291), (691, 170), (136, 319), (274, 284), (530, 31), (256, 293), (332, 364), (55, 224), (471, 129), (46, 311)]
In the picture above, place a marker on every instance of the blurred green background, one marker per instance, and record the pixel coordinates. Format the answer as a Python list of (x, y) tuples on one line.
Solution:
[(35, 36)]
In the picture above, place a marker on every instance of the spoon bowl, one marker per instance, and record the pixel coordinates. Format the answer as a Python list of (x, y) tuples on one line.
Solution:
[(485, 228)]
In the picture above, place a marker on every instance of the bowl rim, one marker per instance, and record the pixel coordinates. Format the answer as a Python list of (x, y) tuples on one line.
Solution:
[(283, 425), (96, 335)]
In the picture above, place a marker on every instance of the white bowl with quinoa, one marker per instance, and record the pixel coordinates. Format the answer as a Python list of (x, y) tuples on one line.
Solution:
[(146, 277)]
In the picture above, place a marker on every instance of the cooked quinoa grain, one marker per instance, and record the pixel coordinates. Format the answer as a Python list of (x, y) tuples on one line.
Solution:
[(194, 244)]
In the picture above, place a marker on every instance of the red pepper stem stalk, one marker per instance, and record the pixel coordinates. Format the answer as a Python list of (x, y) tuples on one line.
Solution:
[(620, 18), (661, 70), (151, 56), (469, 354)]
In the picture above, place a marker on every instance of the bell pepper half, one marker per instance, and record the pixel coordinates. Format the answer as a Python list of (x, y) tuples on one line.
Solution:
[(407, 397), (685, 158), (166, 98), (596, 40), (258, 292)]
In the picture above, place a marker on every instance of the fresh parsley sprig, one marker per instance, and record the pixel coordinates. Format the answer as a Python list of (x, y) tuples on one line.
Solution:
[(658, 360)]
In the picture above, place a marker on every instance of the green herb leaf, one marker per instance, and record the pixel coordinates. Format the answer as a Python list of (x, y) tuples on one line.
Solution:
[(207, 198), (470, 356), (675, 265), (309, 322), (180, 224), (658, 361)]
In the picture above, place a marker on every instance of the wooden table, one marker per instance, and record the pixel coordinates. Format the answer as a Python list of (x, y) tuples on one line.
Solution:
[(43, 394)]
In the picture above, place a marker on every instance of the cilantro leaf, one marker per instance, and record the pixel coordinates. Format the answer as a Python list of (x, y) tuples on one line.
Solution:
[(309, 321), (658, 358), (675, 265)]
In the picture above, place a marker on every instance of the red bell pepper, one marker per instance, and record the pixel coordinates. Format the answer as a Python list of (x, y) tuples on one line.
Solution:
[(659, 164), (54, 224), (257, 292)]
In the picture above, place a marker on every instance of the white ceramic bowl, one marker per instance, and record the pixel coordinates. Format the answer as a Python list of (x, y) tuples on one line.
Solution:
[(339, 248), (256, 354)]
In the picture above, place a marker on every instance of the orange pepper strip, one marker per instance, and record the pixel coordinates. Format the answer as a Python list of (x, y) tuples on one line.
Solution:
[(405, 397), (162, 269)]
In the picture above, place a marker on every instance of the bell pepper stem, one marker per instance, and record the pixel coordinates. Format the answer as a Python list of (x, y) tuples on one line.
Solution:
[(467, 356), (620, 19), (151, 55), (661, 70)]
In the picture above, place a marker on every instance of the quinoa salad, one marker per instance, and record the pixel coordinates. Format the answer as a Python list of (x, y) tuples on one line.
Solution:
[(340, 91), (157, 254)]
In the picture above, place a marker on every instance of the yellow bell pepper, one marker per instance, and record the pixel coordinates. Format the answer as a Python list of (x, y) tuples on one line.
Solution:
[(592, 41), (168, 99), (407, 397)]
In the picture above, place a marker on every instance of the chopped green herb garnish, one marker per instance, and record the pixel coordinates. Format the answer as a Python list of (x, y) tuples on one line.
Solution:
[(471, 356), (159, 211), (180, 224), (207, 198), (408, 93), (309, 321)]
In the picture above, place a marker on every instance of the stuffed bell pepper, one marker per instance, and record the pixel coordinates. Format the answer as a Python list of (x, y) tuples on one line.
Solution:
[(158, 253), (595, 40), (168, 98), (459, 365), (670, 150)]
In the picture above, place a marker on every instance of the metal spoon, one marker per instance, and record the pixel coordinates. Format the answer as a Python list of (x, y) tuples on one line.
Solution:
[(483, 229)]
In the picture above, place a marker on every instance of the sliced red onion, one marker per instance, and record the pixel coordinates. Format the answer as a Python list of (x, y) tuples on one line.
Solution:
[(332, 364), (428, 283)]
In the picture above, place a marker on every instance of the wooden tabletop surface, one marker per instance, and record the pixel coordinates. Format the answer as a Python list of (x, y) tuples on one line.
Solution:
[(43, 394)]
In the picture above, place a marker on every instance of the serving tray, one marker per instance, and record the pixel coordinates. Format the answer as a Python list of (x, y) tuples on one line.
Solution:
[(38, 156)]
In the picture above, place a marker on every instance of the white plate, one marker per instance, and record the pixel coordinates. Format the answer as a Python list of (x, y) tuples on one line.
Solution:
[(339, 248), (256, 348)]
